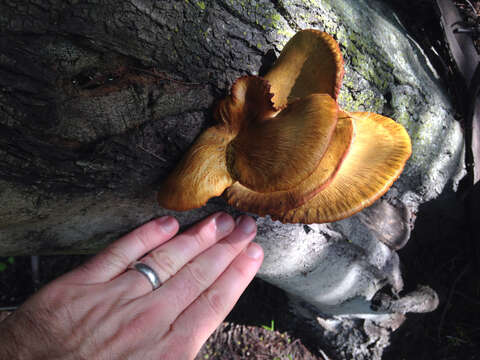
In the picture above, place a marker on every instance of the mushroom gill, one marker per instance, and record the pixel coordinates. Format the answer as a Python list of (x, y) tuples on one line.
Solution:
[(283, 147)]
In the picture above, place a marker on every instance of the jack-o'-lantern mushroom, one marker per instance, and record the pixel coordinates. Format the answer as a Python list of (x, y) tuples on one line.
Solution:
[(282, 146)]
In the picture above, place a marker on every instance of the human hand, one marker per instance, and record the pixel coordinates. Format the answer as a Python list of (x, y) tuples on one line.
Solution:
[(102, 311)]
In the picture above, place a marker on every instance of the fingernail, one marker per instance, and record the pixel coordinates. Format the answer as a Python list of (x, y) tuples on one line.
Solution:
[(254, 251), (224, 223), (168, 223), (246, 224)]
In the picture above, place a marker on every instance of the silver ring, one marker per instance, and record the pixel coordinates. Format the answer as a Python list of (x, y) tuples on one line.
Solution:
[(148, 272)]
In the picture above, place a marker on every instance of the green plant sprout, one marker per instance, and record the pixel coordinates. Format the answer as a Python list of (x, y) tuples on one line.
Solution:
[(271, 327), (4, 264)]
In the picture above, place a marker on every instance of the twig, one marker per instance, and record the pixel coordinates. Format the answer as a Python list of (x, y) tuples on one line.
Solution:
[(473, 8), (449, 299), (35, 265), (325, 357), (151, 153)]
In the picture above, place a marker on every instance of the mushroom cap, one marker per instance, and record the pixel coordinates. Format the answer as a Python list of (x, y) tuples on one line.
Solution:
[(278, 202), (375, 160), (310, 63), (277, 153), (201, 174)]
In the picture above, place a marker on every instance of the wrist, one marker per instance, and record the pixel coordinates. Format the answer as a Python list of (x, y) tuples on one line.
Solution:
[(13, 344), (8, 340)]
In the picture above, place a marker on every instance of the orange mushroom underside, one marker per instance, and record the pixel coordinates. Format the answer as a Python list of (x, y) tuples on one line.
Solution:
[(283, 147)]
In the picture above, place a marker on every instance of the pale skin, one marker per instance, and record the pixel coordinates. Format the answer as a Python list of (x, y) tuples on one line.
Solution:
[(102, 310)]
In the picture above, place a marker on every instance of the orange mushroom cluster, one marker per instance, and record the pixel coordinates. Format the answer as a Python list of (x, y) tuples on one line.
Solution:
[(283, 147)]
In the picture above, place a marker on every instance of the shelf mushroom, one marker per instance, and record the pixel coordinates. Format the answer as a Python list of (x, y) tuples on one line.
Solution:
[(283, 147)]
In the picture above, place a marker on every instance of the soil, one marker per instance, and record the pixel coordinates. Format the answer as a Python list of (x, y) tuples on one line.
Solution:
[(261, 325)]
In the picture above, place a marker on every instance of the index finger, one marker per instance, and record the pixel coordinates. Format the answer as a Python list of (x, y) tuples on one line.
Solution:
[(115, 258)]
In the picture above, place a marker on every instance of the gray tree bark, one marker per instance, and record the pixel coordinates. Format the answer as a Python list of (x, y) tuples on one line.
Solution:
[(100, 99)]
